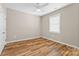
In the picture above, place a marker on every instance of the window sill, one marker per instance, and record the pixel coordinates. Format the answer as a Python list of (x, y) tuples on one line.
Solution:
[(54, 33)]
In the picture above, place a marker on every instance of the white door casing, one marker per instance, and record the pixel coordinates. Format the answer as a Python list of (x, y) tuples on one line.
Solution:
[(2, 27)]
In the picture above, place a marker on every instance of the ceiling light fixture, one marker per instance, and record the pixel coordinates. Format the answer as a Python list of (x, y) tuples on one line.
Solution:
[(38, 6), (38, 10)]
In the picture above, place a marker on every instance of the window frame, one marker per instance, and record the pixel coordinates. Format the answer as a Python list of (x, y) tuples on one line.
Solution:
[(59, 25)]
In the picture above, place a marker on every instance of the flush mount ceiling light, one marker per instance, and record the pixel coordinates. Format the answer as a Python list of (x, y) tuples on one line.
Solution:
[(38, 10), (38, 6)]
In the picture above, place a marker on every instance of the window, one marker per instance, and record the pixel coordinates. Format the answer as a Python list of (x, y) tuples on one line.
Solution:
[(54, 23)]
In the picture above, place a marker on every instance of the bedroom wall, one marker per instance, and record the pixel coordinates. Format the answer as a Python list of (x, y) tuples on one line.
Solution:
[(21, 26), (69, 25)]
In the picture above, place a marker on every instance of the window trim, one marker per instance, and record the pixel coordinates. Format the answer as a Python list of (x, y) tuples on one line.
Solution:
[(49, 24)]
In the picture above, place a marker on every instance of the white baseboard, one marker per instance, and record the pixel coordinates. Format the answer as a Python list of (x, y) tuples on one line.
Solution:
[(22, 39), (61, 42)]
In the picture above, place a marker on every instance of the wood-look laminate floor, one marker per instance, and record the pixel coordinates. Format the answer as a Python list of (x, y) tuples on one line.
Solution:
[(38, 47)]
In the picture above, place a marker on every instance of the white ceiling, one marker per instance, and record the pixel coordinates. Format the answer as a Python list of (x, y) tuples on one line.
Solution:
[(29, 7)]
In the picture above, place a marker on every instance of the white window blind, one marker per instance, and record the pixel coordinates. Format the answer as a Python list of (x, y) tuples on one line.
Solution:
[(54, 23)]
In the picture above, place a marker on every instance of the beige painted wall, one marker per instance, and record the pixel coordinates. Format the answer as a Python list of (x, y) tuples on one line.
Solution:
[(69, 25), (21, 25)]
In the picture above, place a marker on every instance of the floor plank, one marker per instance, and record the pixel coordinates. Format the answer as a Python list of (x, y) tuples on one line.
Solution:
[(38, 47)]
